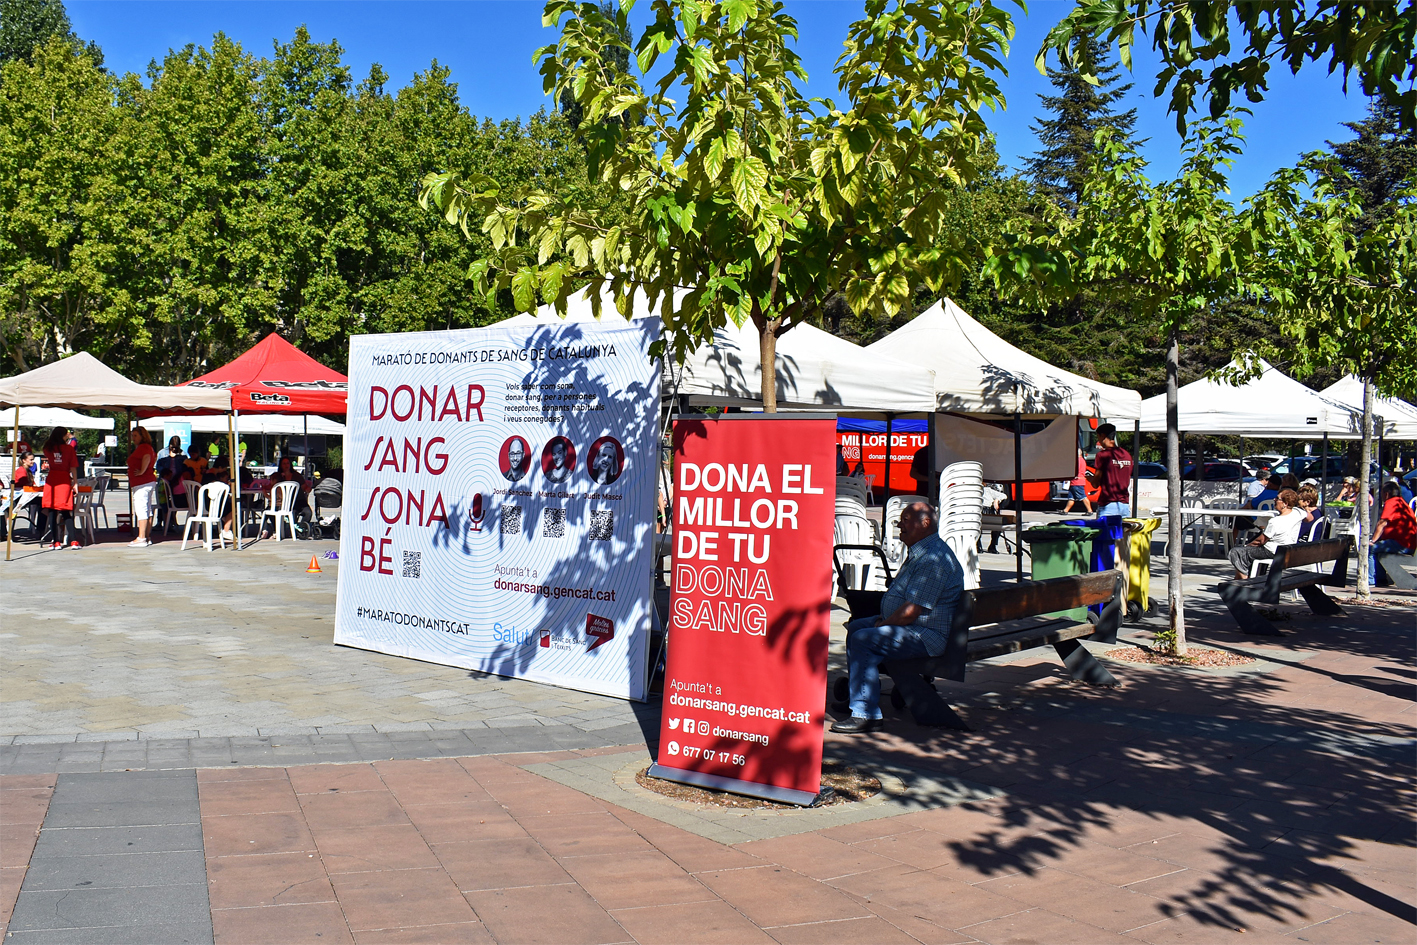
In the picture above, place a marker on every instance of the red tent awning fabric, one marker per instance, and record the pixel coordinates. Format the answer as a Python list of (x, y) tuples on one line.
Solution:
[(277, 377)]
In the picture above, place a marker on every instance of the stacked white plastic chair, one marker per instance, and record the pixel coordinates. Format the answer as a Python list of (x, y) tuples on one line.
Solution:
[(854, 527), (961, 515)]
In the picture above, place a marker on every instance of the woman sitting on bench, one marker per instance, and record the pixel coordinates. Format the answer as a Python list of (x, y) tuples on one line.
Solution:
[(1282, 529)]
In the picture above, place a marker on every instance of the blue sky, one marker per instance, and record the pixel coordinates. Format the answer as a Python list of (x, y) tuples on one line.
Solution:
[(488, 45)]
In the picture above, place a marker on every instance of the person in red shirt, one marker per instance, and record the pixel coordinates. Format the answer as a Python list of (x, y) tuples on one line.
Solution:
[(1114, 474), (142, 477), (1077, 489), (58, 498), (1396, 532)]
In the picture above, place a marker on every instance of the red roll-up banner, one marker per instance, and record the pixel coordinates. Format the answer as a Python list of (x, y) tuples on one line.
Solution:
[(745, 684)]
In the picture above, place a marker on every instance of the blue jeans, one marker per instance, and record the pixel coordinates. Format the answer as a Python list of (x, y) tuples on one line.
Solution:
[(867, 646), (1115, 508), (1383, 546)]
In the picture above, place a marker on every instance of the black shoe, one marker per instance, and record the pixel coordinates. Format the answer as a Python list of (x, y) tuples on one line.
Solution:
[(858, 726)]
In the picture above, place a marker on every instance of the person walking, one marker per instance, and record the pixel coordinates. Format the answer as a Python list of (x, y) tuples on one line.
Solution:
[(1113, 475), (1077, 489)]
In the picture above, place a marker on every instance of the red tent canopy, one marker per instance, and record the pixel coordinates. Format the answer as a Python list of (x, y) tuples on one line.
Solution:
[(277, 377)]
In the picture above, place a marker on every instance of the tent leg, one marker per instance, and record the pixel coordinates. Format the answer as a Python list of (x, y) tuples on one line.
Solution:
[(235, 482), (1323, 475), (932, 487), (1136, 458), (1018, 496), (886, 495), (1241, 496), (10, 509)]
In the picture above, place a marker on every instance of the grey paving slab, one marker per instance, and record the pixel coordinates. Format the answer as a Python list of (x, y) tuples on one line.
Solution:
[(160, 933), (119, 858), (88, 841)]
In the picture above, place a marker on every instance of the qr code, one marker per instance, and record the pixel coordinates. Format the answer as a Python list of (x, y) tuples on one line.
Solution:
[(553, 523), (602, 524), (412, 564), (511, 520)]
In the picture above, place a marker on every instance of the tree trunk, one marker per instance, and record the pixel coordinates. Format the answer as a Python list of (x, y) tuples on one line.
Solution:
[(1362, 513), (1174, 547), (767, 354)]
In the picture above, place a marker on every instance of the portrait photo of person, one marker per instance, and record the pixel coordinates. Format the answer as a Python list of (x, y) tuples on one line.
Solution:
[(513, 459), (605, 461), (558, 458)]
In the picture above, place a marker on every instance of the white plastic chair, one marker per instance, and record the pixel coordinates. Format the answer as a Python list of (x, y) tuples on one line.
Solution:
[(284, 507), (96, 505), (83, 508), (186, 502), (850, 528), (208, 516), (961, 515), (1216, 531)]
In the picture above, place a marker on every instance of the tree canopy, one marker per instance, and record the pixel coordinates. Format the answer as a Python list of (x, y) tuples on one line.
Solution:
[(747, 201), (166, 223)]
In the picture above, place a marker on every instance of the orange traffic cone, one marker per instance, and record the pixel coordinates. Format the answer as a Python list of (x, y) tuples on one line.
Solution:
[(314, 566)]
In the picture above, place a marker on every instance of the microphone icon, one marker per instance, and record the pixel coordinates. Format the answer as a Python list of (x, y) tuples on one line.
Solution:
[(476, 513)]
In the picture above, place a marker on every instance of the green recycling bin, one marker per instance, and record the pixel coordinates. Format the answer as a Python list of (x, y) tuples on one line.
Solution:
[(1060, 551), (1139, 532)]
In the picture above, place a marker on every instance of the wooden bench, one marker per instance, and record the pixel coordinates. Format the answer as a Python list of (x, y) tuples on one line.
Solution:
[(1394, 564), (1009, 619), (1284, 575)]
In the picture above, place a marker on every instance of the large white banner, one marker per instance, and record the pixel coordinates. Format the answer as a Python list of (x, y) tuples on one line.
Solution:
[(499, 501), (1051, 453)]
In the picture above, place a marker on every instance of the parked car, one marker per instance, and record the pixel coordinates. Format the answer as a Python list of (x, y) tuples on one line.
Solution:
[(1311, 467), (1217, 472), (1151, 471), (1265, 460)]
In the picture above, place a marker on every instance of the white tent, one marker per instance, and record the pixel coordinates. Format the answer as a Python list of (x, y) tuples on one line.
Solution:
[(815, 369), (50, 417), (978, 372), (275, 424), (83, 381), (1399, 418), (1271, 405)]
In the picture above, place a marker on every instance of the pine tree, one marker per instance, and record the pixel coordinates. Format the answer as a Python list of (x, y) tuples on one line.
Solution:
[(25, 24), (1082, 109), (1377, 161)]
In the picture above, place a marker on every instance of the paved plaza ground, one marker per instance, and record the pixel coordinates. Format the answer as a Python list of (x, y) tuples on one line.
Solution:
[(187, 758)]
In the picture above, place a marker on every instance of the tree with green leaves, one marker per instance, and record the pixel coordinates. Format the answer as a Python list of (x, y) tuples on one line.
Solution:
[(1166, 251), (1346, 295), (1218, 48), (25, 24), (747, 201), (1081, 108), (1377, 163)]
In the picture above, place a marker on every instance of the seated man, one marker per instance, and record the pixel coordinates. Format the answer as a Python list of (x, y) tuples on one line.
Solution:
[(1268, 490), (1395, 534), (1282, 529), (915, 616)]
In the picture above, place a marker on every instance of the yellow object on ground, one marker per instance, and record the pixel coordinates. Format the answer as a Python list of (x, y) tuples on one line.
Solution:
[(1139, 559)]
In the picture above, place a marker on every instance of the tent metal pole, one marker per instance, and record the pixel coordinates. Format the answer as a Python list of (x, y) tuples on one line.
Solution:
[(886, 496), (1136, 458), (1241, 496), (1323, 475), (231, 420), (305, 419), (932, 486), (10, 509), (1018, 496), (132, 518)]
